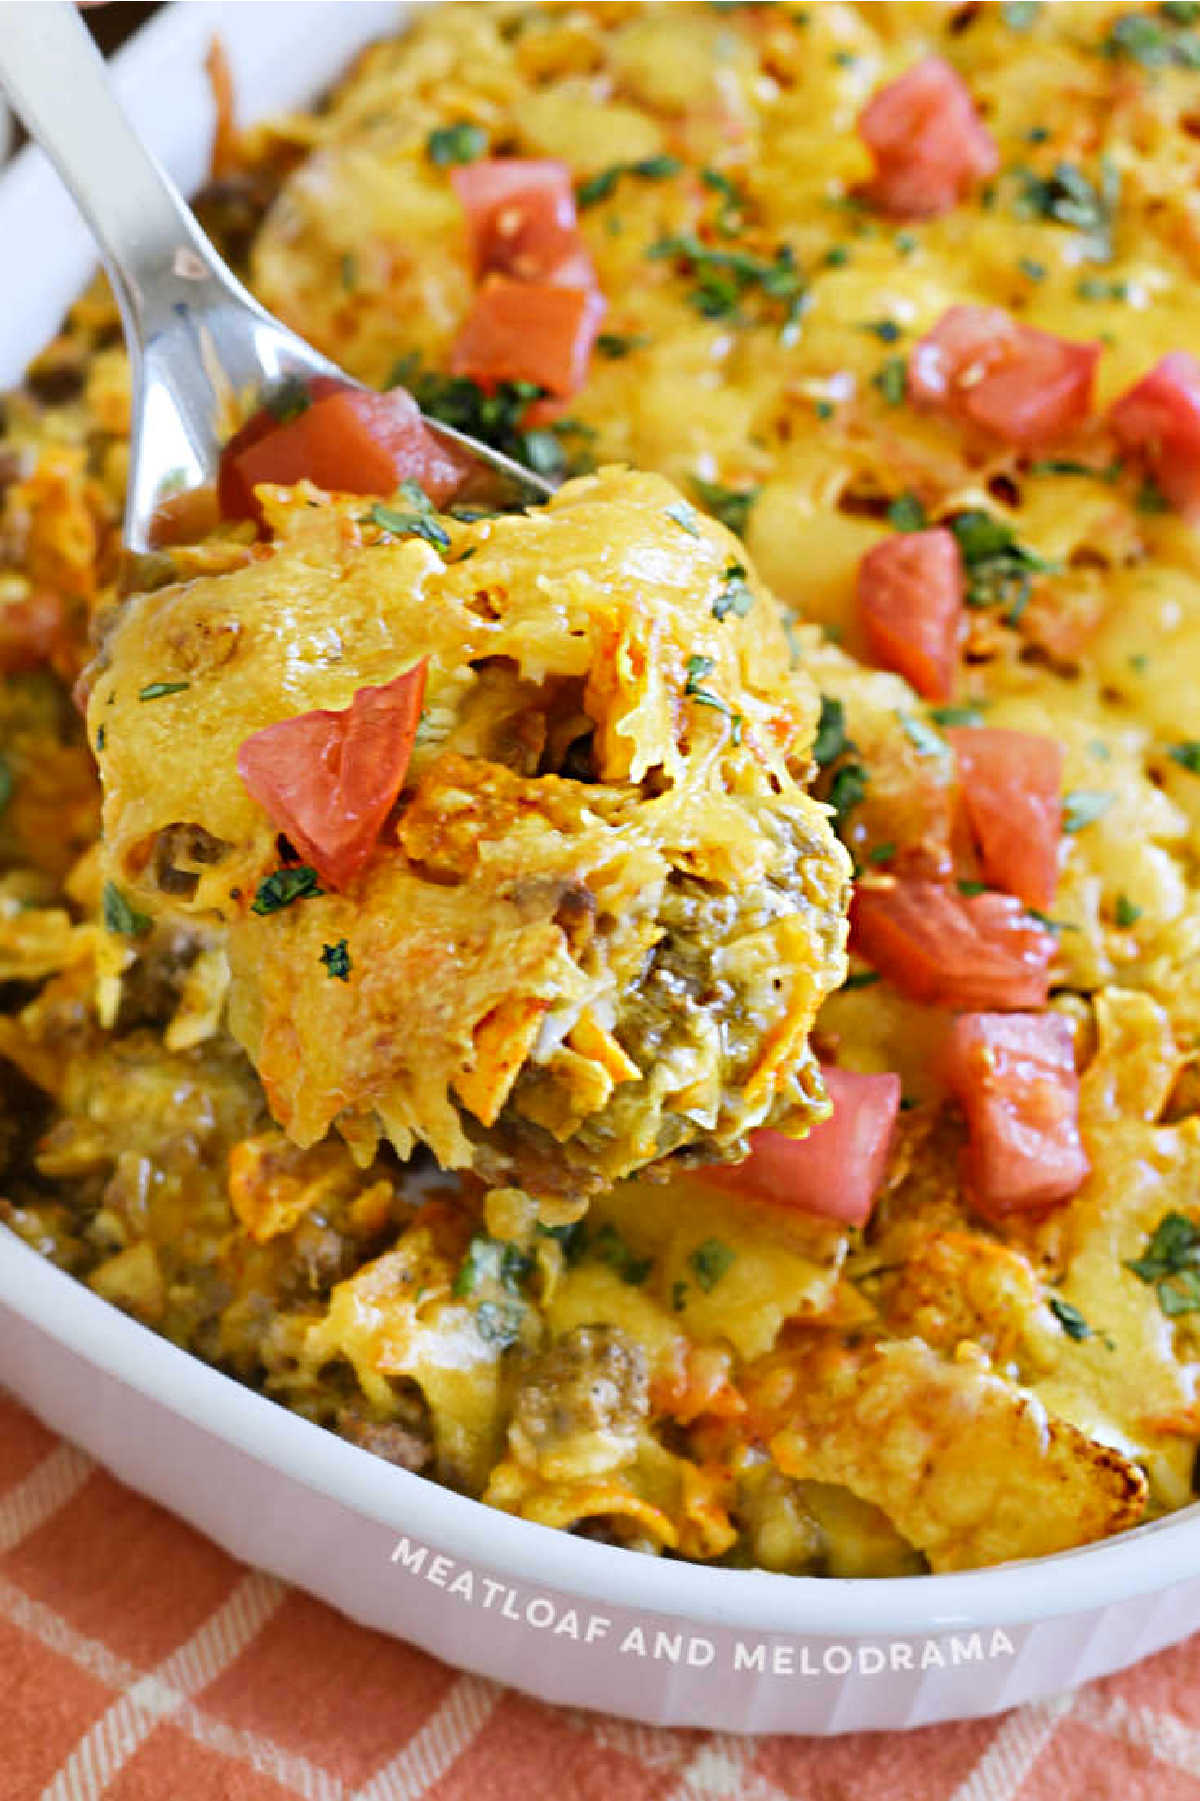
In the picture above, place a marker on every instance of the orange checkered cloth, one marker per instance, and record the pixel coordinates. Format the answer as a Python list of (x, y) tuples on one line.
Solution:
[(140, 1663)]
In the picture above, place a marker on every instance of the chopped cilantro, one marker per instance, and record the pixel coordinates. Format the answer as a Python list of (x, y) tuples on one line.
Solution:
[(489, 1259), (1083, 807), (1186, 754), (7, 781), (1154, 43), (732, 209), (615, 345), (1181, 12), (921, 736), (1069, 197), (157, 690), (297, 881), (956, 715), (1033, 271), (1107, 472), (891, 380), (1151, 499), (848, 788), (678, 1296), (999, 569), (612, 1249), (1054, 926), (837, 256), (882, 853), (685, 516), (907, 514), (1070, 1319), (336, 958), (119, 916), (730, 505), (1095, 287), (969, 889), (886, 330), (1125, 913), (603, 185), (831, 739), (1019, 15), (418, 522), (735, 596), (493, 416), (461, 143), (710, 1261), (907, 242), (823, 408), (1171, 1264), (723, 278), (862, 978), (697, 669), (287, 399)]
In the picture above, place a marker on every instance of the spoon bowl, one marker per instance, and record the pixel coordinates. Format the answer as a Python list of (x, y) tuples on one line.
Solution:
[(199, 343)]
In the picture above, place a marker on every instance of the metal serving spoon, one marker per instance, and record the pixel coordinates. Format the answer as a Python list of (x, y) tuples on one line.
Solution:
[(196, 338)]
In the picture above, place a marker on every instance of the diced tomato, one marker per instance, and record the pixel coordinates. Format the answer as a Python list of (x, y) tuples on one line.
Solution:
[(31, 631), (329, 780), (983, 368), (950, 949), (929, 144), (1011, 786), (529, 331), (838, 1169), (1014, 1076), (1158, 419), (910, 602), (521, 215), (346, 439)]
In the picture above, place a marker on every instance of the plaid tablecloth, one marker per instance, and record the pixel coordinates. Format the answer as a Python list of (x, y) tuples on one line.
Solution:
[(138, 1662)]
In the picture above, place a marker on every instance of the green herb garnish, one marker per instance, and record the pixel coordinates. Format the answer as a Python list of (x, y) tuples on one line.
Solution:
[(611, 1248), (1068, 197), (862, 978), (1070, 1319), (1083, 807), (921, 736), (602, 185), (710, 1261), (730, 505), (461, 143), (956, 715), (1171, 1264), (1154, 43), (886, 330), (287, 399), (999, 570), (892, 380), (697, 669), (907, 514), (336, 958), (418, 522), (120, 917), (1186, 754), (723, 278), (297, 881), (614, 345), (734, 596), (157, 690), (7, 781), (686, 517), (1019, 15), (1125, 913), (831, 739), (848, 789)]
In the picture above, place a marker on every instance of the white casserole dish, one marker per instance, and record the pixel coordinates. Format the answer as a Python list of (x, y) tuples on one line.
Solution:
[(565, 1619)]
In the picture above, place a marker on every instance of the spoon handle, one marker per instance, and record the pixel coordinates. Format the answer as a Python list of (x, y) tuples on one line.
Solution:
[(55, 78)]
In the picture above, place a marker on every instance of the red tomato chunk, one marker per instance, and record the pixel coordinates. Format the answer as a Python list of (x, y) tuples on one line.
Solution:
[(529, 331), (347, 440), (836, 1171), (929, 144), (329, 780), (1158, 419), (1014, 1076), (910, 602), (950, 949), (521, 217), (982, 368), (1011, 787)]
